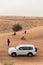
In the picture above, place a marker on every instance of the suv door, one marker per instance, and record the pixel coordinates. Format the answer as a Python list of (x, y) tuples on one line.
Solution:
[(26, 50), (20, 51)]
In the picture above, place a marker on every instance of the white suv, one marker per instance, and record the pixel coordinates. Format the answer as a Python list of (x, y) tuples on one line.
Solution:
[(24, 49)]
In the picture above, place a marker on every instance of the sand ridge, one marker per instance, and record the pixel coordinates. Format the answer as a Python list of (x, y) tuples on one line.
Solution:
[(31, 38)]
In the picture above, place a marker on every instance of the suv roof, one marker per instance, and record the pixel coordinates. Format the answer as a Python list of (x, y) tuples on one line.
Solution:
[(25, 45)]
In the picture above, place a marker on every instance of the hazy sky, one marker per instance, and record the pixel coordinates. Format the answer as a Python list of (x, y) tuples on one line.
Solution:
[(21, 7)]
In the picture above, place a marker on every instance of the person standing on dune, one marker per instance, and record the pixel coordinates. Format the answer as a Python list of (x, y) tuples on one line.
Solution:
[(8, 41), (25, 31)]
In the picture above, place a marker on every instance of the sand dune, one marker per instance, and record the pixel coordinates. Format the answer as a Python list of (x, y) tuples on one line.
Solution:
[(36, 32), (34, 36)]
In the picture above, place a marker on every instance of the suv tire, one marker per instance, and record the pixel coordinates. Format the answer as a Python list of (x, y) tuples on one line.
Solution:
[(13, 54), (30, 54)]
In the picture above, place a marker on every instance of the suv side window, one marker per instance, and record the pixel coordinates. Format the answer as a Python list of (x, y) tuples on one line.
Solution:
[(21, 48), (29, 48), (26, 48)]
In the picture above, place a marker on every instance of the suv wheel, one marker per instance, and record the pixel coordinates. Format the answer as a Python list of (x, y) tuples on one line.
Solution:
[(30, 54), (13, 54)]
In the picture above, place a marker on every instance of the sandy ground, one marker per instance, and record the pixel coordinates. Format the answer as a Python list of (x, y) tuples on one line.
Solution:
[(33, 36)]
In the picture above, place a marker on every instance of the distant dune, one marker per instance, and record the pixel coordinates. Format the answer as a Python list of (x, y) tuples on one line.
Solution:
[(6, 22)]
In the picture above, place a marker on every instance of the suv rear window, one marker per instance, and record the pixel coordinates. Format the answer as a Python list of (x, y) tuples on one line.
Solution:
[(26, 48)]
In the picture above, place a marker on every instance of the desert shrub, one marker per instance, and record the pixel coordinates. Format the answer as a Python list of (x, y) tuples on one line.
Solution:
[(11, 63), (33, 24), (16, 27)]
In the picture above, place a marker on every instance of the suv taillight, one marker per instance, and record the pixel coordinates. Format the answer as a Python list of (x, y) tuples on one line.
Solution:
[(36, 49)]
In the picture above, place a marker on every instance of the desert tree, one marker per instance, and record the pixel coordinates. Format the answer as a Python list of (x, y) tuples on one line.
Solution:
[(16, 27)]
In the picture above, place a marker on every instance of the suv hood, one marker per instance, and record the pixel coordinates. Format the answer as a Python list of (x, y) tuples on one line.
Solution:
[(12, 48)]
